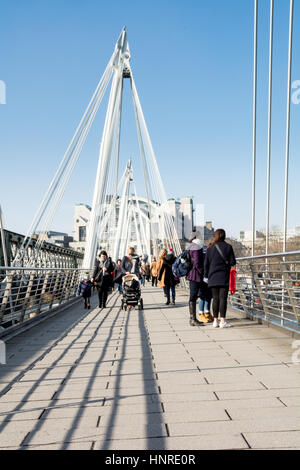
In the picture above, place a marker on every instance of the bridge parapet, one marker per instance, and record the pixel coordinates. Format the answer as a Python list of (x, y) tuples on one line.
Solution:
[(268, 288), (29, 292)]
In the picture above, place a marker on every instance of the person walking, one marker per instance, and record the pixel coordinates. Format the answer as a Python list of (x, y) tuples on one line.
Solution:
[(153, 272), (195, 275), (219, 260), (85, 290), (118, 276), (131, 263), (165, 275), (144, 270), (103, 277)]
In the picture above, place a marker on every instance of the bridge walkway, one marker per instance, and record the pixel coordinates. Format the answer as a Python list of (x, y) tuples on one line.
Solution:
[(108, 379)]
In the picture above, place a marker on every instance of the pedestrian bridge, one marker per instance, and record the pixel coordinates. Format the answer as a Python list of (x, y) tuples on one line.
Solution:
[(110, 379)]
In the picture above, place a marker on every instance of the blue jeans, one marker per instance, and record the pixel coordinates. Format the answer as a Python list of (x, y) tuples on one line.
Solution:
[(167, 292), (119, 287), (204, 305)]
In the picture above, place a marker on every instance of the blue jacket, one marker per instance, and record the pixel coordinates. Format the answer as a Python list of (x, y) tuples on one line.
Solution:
[(85, 288)]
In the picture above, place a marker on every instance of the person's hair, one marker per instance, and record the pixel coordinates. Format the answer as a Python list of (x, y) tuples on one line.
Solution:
[(218, 236), (103, 253), (119, 260), (131, 248), (163, 253), (153, 259)]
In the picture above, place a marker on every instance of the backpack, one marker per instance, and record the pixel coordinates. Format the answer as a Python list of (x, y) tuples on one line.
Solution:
[(182, 265)]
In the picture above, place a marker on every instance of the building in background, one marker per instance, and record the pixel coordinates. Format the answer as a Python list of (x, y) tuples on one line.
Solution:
[(56, 238), (181, 210)]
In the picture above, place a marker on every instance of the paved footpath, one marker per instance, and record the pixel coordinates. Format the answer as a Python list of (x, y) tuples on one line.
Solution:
[(108, 379)]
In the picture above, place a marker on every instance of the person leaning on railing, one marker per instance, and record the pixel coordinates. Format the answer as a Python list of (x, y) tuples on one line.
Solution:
[(219, 260)]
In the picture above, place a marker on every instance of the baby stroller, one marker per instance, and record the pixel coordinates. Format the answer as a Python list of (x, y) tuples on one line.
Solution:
[(131, 292)]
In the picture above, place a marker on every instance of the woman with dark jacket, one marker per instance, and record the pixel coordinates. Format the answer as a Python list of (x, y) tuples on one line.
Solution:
[(103, 277), (195, 275), (166, 277), (131, 263), (219, 260)]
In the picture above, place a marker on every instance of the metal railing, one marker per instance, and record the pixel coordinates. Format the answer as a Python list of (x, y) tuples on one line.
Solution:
[(268, 287), (28, 292)]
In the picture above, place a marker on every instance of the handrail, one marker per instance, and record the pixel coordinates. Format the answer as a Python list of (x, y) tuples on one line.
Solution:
[(270, 290), (270, 255)]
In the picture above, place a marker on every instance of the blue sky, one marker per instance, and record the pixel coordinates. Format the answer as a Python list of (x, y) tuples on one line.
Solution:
[(192, 61)]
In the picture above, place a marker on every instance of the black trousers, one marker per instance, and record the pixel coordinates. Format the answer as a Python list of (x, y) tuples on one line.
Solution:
[(194, 289), (102, 294), (219, 294), (154, 281)]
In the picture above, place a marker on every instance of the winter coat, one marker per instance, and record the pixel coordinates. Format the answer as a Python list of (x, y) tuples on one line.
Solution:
[(215, 268), (85, 289), (131, 265), (165, 274), (145, 270), (153, 269), (103, 279), (118, 275), (196, 254)]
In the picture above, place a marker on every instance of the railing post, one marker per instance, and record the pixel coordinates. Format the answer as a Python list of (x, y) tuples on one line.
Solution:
[(288, 284), (27, 297), (73, 278), (254, 270), (57, 279), (63, 291), (240, 289), (6, 295), (46, 278)]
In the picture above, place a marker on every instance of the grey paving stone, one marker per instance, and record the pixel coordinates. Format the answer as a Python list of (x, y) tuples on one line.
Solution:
[(220, 441), (259, 413), (83, 434), (272, 440), (243, 426)]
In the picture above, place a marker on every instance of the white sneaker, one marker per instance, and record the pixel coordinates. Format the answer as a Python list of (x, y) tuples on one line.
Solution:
[(225, 325), (215, 324)]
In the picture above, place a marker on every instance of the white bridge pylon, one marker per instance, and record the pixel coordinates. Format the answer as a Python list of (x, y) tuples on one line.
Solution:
[(119, 214)]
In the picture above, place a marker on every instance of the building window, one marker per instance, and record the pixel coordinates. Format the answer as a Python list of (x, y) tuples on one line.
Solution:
[(82, 234)]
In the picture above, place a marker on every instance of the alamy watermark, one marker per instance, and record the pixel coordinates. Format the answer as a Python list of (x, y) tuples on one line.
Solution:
[(2, 92), (2, 352), (296, 94)]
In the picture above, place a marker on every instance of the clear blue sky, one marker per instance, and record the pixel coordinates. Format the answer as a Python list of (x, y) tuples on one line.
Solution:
[(192, 61)]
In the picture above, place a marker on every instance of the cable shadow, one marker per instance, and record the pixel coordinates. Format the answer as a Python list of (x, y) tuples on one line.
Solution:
[(153, 406), (50, 367), (41, 422)]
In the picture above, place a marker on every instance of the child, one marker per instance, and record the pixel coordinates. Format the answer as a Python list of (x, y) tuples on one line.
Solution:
[(85, 290)]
